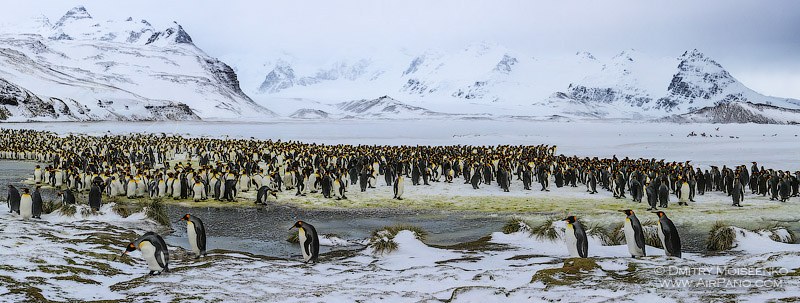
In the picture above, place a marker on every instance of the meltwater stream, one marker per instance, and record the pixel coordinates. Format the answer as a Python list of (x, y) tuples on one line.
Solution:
[(264, 230)]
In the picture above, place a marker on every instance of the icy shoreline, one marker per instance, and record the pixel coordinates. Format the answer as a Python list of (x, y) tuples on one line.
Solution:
[(60, 260)]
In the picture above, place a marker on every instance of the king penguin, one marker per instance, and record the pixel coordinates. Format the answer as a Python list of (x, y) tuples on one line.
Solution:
[(95, 196), (154, 250), (13, 199), (399, 187), (309, 241), (668, 234), (196, 232), (38, 204), (577, 243), (26, 204), (634, 235)]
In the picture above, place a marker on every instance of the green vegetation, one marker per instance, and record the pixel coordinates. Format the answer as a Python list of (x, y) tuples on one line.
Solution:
[(546, 230), (382, 240), (573, 271), (516, 224), (721, 237)]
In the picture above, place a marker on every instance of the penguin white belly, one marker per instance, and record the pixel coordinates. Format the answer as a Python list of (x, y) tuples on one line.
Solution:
[(630, 239), (176, 189), (192, 237), (149, 255), (336, 190), (301, 235), (400, 188), (59, 179), (244, 183), (199, 191), (26, 207), (162, 189), (684, 193), (572, 241), (131, 189), (120, 189), (140, 189), (37, 176)]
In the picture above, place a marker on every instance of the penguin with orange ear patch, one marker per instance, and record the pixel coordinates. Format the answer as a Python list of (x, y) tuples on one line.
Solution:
[(309, 241), (670, 239)]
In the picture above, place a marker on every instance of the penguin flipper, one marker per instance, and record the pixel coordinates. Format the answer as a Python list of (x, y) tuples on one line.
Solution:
[(201, 232), (671, 241), (638, 235)]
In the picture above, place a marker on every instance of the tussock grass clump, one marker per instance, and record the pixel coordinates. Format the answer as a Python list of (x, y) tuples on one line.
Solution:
[(156, 211), (68, 210), (721, 237), (293, 238), (651, 235), (48, 207), (126, 209), (382, 240), (516, 224), (546, 230), (615, 236), (778, 233)]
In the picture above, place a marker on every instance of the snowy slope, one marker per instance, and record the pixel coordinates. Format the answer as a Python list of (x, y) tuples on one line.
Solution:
[(489, 78), (739, 112), (114, 70)]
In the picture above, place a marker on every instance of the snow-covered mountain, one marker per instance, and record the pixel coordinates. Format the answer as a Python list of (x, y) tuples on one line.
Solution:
[(79, 68), (739, 112), (489, 78)]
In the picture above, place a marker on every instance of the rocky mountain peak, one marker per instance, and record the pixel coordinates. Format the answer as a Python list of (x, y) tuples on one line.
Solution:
[(76, 13), (280, 77)]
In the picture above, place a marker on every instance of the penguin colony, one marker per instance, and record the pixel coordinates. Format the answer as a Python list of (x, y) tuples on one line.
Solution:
[(137, 166)]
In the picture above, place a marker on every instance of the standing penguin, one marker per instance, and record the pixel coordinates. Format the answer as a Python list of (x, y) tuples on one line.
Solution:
[(738, 193), (154, 250), (634, 235), (13, 199), (652, 196), (199, 191), (668, 234), (684, 192), (475, 180), (37, 175), (37, 203), (67, 197), (399, 187), (309, 241), (663, 195), (95, 196), (261, 194), (26, 204), (577, 243), (196, 232)]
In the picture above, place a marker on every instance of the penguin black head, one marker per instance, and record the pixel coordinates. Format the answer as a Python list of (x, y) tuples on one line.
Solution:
[(627, 212), (660, 214), (185, 217), (298, 224), (26, 191), (129, 248), (570, 219)]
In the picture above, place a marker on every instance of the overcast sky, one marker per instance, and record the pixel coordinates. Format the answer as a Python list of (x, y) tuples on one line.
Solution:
[(757, 41)]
